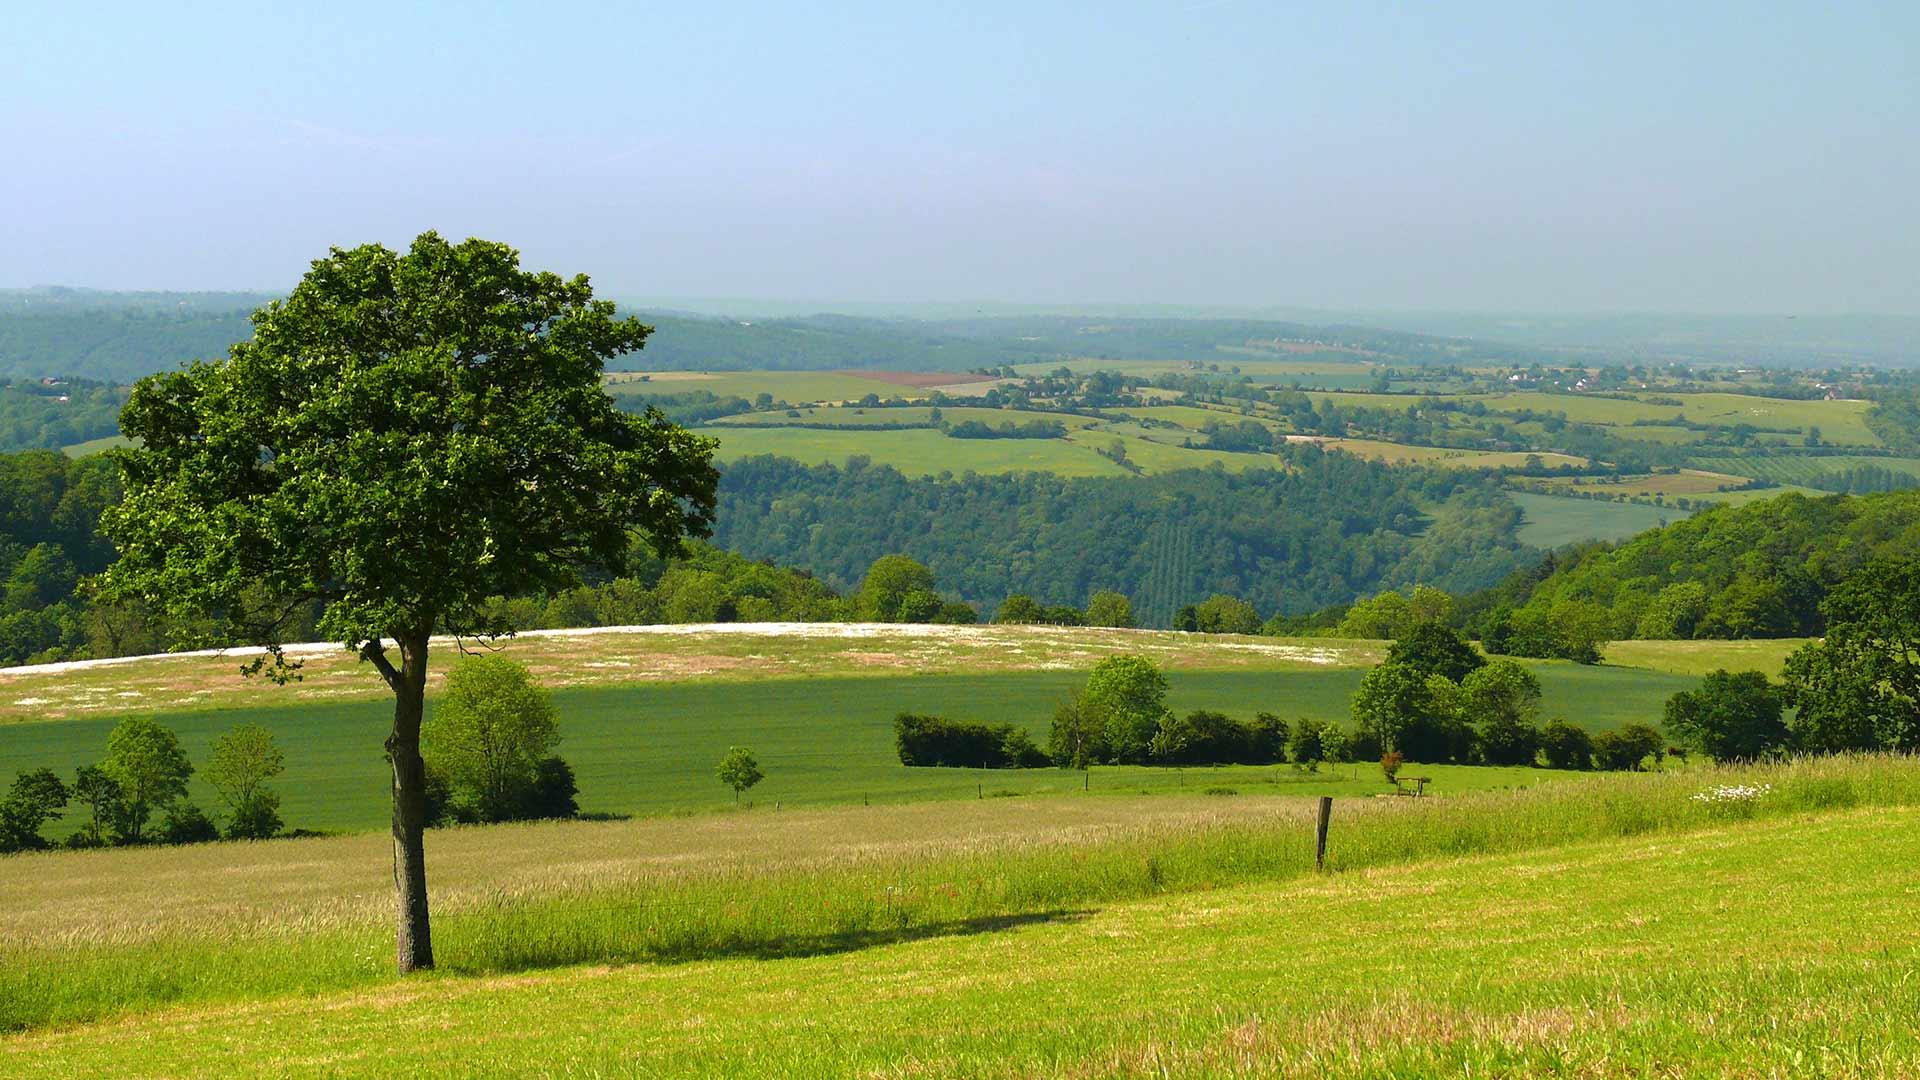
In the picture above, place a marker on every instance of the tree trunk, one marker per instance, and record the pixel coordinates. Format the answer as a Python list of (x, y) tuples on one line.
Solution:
[(413, 942)]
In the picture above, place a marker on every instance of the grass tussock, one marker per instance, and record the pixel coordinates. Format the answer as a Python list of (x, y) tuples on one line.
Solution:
[(823, 888)]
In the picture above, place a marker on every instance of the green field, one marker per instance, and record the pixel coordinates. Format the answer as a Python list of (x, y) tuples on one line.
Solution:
[(794, 386), (854, 416), (651, 748), (1617, 927), (919, 452), (1553, 520)]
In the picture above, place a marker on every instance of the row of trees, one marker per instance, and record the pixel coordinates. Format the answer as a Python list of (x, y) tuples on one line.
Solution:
[(143, 777)]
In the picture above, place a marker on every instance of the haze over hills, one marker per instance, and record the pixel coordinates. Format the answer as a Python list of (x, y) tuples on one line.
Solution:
[(119, 336)]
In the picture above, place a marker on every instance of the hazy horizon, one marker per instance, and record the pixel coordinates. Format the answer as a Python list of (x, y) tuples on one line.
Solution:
[(1723, 160)]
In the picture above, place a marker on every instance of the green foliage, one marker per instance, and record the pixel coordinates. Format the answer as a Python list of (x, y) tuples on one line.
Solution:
[(1019, 609), (1431, 647), (1314, 740), (1502, 700), (897, 588), (106, 807), (1108, 608), (1205, 737), (1392, 614), (1077, 739), (186, 823), (1859, 688), (241, 763), (936, 741), (1262, 535), (404, 437), (1755, 571), (738, 770), (1730, 717), (490, 730), (1626, 748), (146, 762), (1222, 614), (35, 799), (1566, 746), (1895, 417), (1392, 699), (1127, 697)]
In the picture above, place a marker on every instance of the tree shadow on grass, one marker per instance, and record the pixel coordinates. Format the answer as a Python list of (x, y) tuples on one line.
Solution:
[(529, 956)]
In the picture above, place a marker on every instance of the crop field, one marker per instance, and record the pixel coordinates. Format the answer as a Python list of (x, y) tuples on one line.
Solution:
[(1802, 469), (1553, 520), (918, 452), (644, 729), (1685, 483), (1615, 926)]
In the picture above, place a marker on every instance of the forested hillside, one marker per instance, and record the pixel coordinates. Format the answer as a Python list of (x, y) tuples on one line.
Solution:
[(118, 337), (1753, 571), (1326, 530)]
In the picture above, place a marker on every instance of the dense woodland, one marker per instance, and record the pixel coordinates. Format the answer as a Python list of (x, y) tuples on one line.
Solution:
[(1756, 571), (1329, 529)]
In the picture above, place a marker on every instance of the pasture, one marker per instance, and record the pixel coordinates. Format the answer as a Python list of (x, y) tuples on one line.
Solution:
[(1554, 520), (791, 386), (645, 742), (1616, 926)]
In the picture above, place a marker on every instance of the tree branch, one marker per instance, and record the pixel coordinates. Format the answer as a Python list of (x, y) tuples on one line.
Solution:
[(375, 653)]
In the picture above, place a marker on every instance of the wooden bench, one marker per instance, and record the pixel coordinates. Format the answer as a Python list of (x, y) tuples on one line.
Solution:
[(1418, 790)]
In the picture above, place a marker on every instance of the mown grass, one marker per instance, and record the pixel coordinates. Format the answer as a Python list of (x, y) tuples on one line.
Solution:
[(648, 748), (1697, 658), (1031, 976)]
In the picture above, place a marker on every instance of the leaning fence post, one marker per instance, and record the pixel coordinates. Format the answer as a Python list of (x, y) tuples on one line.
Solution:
[(1320, 834)]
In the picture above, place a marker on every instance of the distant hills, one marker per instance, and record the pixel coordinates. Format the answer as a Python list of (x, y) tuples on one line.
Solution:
[(120, 336)]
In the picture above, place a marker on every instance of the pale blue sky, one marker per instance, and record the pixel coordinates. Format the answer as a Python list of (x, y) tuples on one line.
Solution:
[(1475, 155)]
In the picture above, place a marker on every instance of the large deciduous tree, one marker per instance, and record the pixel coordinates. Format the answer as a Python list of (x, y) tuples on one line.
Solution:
[(1859, 689), (405, 436)]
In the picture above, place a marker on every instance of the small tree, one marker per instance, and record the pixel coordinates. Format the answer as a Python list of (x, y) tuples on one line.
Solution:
[(1077, 739), (1314, 741), (1127, 695), (1020, 609), (1391, 699), (242, 762), (1109, 608), (1503, 699), (36, 798), (145, 760), (492, 727), (1730, 717), (739, 771), (106, 807), (888, 584)]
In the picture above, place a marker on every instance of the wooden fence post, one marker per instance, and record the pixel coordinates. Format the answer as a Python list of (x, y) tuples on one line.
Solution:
[(1320, 834)]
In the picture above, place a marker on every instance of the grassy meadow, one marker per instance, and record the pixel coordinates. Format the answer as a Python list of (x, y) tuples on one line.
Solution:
[(1553, 520), (645, 732), (1616, 926)]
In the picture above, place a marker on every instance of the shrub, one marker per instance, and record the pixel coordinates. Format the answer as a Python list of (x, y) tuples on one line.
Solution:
[(1203, 737), (553, 791), (1626, 749), (1315, 741), (1267, 735), (1566, 746), (186, 823), (256, 817), (1390, 763), (933, 741)]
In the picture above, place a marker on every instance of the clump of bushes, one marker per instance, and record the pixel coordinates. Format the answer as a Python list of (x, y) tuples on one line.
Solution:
[(137, 793), (936, 741)]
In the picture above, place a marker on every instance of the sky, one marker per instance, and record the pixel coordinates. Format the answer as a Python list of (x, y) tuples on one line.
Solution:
[(1747, 157)]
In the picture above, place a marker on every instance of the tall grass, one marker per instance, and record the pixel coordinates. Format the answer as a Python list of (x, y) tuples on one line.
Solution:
[(773, 909)]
